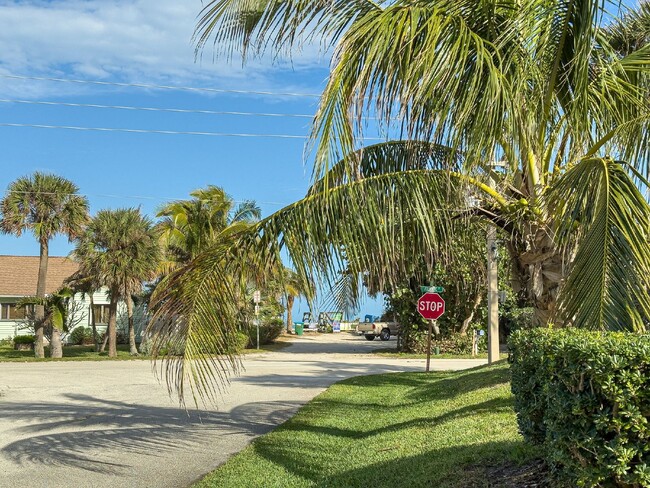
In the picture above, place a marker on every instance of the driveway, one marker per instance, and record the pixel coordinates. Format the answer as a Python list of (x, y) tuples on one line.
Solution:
[(107, 424)]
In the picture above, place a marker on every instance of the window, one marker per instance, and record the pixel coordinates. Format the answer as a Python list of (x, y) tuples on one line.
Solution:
[(101, 314), (11, 311)]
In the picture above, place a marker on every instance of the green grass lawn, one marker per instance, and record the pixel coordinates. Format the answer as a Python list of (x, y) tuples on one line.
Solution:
[(391, 353), (451, 429), (87, 353), (70, 353)]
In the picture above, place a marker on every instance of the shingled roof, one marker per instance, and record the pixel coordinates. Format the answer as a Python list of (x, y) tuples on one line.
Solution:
[(19, 274)]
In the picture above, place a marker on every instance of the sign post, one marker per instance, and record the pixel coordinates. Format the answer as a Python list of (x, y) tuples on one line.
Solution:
[(431, 306), (256, 299)]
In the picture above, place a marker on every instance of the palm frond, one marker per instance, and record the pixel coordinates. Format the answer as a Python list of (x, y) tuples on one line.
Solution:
[(608, 283), (256, 25), (193, 328)]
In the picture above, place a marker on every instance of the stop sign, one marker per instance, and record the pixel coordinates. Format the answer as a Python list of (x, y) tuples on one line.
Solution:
[(431, 306)]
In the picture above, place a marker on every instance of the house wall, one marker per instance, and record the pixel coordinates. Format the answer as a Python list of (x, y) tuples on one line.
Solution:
[(11, 328)]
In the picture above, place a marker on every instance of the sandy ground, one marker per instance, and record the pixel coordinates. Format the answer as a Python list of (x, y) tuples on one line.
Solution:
[(112, 424)]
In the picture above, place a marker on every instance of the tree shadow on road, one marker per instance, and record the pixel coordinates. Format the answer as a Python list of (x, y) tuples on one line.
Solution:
[(87, 432)]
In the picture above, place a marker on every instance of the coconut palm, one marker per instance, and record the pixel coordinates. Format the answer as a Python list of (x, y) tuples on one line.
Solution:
[(46, 205), (538, 87), (120, 248), (295, 287), (189, 227)]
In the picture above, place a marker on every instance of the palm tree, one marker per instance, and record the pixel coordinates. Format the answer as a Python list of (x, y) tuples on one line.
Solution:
[(46, 205), (56, 306), (120, 248), (295, 286), (189, 227), (538, 87)]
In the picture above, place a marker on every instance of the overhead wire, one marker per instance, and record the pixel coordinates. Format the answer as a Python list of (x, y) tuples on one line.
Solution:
[(153, 109), (160, 131), (160, 87)]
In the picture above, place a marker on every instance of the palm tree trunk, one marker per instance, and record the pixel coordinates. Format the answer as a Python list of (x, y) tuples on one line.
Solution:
[(129, 309), (290, 299), (538, 271), (39, 312), (112, 325), (93, 321), (56, 348)]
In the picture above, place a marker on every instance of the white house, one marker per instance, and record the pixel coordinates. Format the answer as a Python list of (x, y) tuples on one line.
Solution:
[(18, 278)]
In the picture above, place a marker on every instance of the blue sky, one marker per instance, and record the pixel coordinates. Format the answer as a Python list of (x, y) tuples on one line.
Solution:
[(146, 41)]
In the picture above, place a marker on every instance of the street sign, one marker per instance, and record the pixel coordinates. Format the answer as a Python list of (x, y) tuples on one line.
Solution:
[(431, 306), (433, 289), (257, 296)]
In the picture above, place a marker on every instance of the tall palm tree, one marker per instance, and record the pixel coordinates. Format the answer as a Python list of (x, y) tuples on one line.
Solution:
[(120, 248), (539, 87), (46, 205), (295, 287), (189, 227)]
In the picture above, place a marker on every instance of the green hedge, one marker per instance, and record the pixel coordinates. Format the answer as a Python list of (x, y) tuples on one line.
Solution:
[(585, 396), (24, 339), (269, 332)]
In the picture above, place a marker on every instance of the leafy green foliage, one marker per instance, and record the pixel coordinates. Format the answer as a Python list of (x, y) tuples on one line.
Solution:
[(270, 330), (24, 339), (81, 335), (612, 261), (584, 396)]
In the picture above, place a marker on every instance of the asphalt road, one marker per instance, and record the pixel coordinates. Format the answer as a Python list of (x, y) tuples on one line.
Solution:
[(112, 424)]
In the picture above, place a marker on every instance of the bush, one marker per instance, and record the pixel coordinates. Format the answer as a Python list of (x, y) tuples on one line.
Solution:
[(24, 339), (269, 332), (585, 396), (81, 335)]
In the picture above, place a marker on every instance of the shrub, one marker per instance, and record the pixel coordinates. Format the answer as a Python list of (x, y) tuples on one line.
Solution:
[(24, 339), (81, 335), (586, 397), (269, 332)]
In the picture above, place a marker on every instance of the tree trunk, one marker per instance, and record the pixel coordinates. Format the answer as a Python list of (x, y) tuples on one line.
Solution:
[(470, 317), (112, 325), (56, 348), (104, 342), (129, 308), (538, 272), (39, 310), (93, 321), (290, 299)]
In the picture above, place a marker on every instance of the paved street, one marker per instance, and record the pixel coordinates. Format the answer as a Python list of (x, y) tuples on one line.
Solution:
[(108, 424)]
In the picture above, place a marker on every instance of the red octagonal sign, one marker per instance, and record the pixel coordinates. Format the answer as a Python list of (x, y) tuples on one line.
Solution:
[(431, 306)]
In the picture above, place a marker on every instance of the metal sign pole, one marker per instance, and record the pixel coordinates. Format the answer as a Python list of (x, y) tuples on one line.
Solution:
[(429, 345), (257, 298)]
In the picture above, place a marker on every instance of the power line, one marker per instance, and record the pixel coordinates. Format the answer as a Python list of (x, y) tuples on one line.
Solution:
[(167, 132), (153, 131), (154, 109), (161, 87)]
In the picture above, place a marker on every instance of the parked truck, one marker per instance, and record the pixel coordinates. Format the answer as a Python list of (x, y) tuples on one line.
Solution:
[(371, 327)]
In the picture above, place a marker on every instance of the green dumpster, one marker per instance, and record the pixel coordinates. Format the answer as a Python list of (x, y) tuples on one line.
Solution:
[(298, 327)]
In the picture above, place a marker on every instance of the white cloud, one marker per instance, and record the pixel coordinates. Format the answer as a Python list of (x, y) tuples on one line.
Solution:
[(126, 40)]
